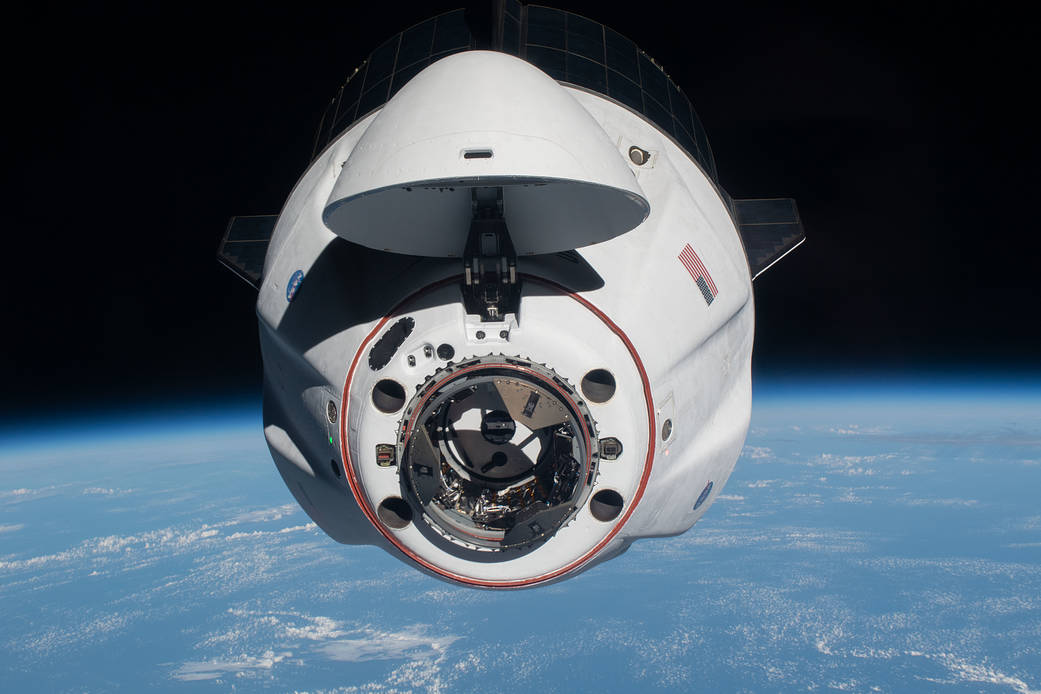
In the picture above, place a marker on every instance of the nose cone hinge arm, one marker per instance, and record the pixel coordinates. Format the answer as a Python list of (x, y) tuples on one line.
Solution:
[(490, 286)]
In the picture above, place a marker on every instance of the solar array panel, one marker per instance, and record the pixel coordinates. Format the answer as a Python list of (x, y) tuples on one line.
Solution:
[(579, 51), (390, 67), (770, 228), (568, 47), (244, 245)]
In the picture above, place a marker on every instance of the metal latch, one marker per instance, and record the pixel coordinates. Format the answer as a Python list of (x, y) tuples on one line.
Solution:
[(490, 286)]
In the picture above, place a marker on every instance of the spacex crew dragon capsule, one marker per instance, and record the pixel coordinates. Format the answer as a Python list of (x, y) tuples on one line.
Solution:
[(506, 313)]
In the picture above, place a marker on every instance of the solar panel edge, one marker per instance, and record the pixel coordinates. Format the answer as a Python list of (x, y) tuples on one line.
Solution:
[(599, 51)]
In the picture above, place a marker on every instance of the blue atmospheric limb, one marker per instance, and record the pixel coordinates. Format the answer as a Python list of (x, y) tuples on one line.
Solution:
[(879, 537)]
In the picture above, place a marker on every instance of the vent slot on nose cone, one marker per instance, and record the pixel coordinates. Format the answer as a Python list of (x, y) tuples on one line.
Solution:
[(477, 154), (606, 505)]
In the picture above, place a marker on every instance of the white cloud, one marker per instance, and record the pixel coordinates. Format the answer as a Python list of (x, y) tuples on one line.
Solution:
[(107, 491), (320, 629), (91, 630), (11, 528), (166, 539), (856, 430), (281, 531), (412, 643), (757, 452), (289, 637), (265, 515), (964, 671), (852, 465), (964, 503), (958, 567), (26, 494), (212, 669)]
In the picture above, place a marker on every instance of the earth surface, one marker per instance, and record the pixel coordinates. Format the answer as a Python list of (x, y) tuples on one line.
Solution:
[(874, 537)]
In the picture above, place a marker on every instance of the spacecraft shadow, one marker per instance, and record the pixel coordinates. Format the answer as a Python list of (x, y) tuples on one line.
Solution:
[(344, 274)]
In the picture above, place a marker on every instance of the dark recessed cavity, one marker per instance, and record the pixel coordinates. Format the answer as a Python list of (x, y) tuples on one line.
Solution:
[(666, 430), (384, 349), (605, 505), (498, 459), (478, 154), (388, 396), (394, 512), (598, 385), (336, 468), (445, 351)]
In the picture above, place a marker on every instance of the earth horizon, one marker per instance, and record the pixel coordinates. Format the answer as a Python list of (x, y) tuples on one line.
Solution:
[(875, 536)]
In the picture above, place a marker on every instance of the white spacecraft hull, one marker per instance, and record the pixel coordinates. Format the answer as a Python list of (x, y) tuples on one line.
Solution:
[(601, 396)]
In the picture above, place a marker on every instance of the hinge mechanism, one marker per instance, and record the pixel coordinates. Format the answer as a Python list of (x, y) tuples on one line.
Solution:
[(490, 285)]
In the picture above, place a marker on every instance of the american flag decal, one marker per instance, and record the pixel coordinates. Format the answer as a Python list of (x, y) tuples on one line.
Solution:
[(699, 272)]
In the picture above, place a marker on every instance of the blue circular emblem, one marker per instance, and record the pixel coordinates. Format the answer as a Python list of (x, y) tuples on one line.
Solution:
[(294, 284)]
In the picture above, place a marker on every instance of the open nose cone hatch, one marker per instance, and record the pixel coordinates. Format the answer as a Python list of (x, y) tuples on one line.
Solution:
[(498, 455), (499, 121)]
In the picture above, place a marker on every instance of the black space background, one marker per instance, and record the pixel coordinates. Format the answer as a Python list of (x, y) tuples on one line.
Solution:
[(908, 135)]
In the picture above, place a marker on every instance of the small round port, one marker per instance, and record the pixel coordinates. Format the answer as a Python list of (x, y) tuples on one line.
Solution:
[(638, 156), (388, 396), (394, 512), (605, 505), (598, 385)]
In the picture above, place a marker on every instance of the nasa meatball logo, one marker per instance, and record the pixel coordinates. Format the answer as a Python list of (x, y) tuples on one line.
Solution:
[(294, 284)]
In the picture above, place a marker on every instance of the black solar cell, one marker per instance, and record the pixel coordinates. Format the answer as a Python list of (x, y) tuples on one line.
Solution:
[(566, 46)]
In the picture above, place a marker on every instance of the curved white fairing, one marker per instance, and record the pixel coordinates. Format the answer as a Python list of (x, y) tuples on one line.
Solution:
[(483, 118)]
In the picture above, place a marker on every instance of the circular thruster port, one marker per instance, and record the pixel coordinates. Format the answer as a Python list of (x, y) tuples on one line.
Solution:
[(445, 351), (605, 505), (394, 512), (388, 396), (666, 430), (330, 412), (598, 385), (638, 156)]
